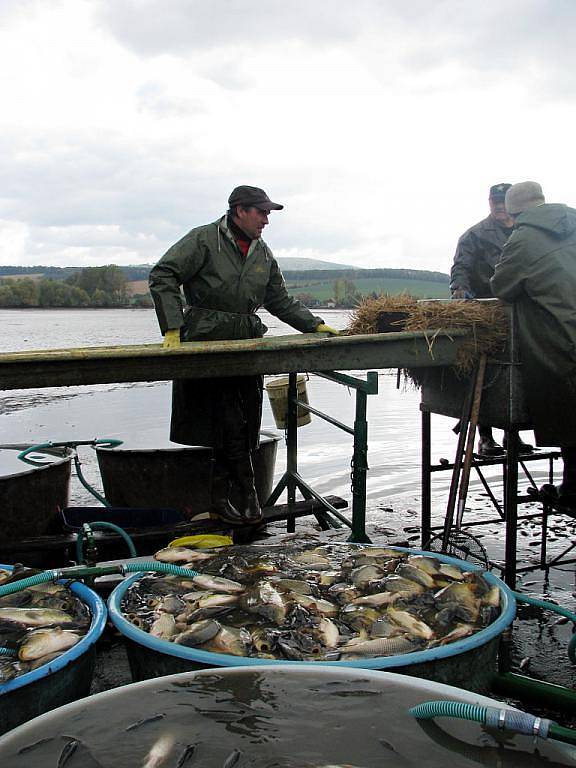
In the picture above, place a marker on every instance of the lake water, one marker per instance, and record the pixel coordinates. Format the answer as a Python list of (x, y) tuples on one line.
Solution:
[(139, 414)]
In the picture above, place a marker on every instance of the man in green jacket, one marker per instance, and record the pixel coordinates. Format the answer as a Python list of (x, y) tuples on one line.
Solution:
[(227, 273), (538, 273)]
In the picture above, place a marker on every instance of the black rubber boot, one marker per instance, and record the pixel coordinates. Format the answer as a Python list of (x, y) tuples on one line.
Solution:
[(221, 504), (249, 506), (567, 491)]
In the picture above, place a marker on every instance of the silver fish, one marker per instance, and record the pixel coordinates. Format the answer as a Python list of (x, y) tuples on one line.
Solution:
[(411, 623), (198, 633), (36, 617), (217, 583), (42, 642), (383, 646), (164, 626)]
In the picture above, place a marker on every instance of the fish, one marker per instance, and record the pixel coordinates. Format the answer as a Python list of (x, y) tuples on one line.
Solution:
[(232, 759), (198, 633), (411, 623), (36, 617), (181, 555), (413, 573), (164, 626), (229, 640), (139, 723), (383, 646), (160, 751), (43, 642), (293, 585), (217, 583), (266, 601), (314, 604), (365, 574), (317, 605), (185, 756)]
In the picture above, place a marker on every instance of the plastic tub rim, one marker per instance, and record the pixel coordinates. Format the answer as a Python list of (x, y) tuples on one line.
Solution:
[(266, 435), (99, 615), (212, 659), (28, 469), (427, 688)]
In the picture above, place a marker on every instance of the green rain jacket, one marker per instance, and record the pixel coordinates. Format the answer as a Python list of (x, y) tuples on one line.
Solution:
[(477, 253), (538, 273), (223, 291)]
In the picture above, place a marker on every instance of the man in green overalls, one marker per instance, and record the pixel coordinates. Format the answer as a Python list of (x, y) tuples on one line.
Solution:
[(227, 273)]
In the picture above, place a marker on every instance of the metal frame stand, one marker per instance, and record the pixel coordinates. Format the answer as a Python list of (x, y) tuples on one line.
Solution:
[(508, 512), (291, 480)]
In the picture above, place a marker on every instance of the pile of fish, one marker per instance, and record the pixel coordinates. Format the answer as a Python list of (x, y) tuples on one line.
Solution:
[(332, 602), (37, 624)]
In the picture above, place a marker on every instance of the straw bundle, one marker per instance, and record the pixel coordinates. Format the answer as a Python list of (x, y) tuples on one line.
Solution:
[(486, 321)]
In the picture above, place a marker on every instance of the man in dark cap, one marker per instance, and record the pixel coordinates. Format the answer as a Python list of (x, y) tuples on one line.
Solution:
[(538, 273), (227, 273), (477, 253)]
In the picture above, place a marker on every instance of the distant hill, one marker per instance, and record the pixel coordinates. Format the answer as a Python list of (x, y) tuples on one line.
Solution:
[(294, 262)]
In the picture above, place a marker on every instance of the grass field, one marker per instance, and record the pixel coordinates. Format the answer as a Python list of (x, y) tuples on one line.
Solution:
[(424, 289)]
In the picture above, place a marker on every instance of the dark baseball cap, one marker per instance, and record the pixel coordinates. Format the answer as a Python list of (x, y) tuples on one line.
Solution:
[(252, 196), (498, 191)]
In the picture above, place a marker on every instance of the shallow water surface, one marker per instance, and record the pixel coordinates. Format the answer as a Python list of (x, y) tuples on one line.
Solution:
[(264, 720)]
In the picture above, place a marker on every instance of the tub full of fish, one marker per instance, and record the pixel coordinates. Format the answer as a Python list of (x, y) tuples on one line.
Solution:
[(47, 637), (415, 612), (310, 716)]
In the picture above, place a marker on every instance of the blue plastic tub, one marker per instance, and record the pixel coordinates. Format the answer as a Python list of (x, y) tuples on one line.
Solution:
[(469, 663), (59, 682)]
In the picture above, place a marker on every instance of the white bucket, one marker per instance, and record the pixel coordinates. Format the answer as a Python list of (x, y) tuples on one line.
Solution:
[(277, 390)]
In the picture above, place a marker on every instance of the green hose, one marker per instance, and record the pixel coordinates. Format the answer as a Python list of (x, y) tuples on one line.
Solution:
[(102, 524), (509, 720), (8, 651), (80, 572)]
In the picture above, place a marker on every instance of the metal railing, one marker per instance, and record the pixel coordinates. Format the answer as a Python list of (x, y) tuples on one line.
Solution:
[(291, 480)]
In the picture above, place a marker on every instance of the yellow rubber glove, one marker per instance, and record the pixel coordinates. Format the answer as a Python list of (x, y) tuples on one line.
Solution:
[(172, 338), (322, 328)]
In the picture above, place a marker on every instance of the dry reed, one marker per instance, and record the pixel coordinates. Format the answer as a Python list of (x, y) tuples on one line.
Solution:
[(486, 321)]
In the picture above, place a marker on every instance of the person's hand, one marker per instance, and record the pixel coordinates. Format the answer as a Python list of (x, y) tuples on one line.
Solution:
[(459, 293), (322, 328), (172, 338)]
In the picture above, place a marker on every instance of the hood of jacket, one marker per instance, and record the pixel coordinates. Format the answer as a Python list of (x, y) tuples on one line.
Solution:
[(556, 220)]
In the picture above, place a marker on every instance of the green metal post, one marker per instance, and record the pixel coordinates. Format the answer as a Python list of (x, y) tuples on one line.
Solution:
[(359, 470)]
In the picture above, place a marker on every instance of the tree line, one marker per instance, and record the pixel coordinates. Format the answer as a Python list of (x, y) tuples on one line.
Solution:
[(89, 287)]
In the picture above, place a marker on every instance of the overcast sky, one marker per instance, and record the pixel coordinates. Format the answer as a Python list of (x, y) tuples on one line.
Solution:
[(380, 124)]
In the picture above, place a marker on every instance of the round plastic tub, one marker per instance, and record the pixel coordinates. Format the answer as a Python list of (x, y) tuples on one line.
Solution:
[(32, 497), (63, 680), (470, 663), (174, 476), (284, 716)]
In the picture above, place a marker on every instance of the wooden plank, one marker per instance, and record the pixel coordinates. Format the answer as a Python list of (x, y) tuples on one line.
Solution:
[(274, 355)]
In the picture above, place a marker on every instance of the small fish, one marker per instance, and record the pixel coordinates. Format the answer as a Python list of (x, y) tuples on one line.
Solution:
[(379, 598), (400, 584), (69, 749), (185, 756), (293, 585), (159, 752), (461, 631), (232, 759), (145, 721)]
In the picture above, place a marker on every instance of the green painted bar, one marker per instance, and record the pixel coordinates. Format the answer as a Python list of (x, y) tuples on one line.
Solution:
[(273, 355)]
